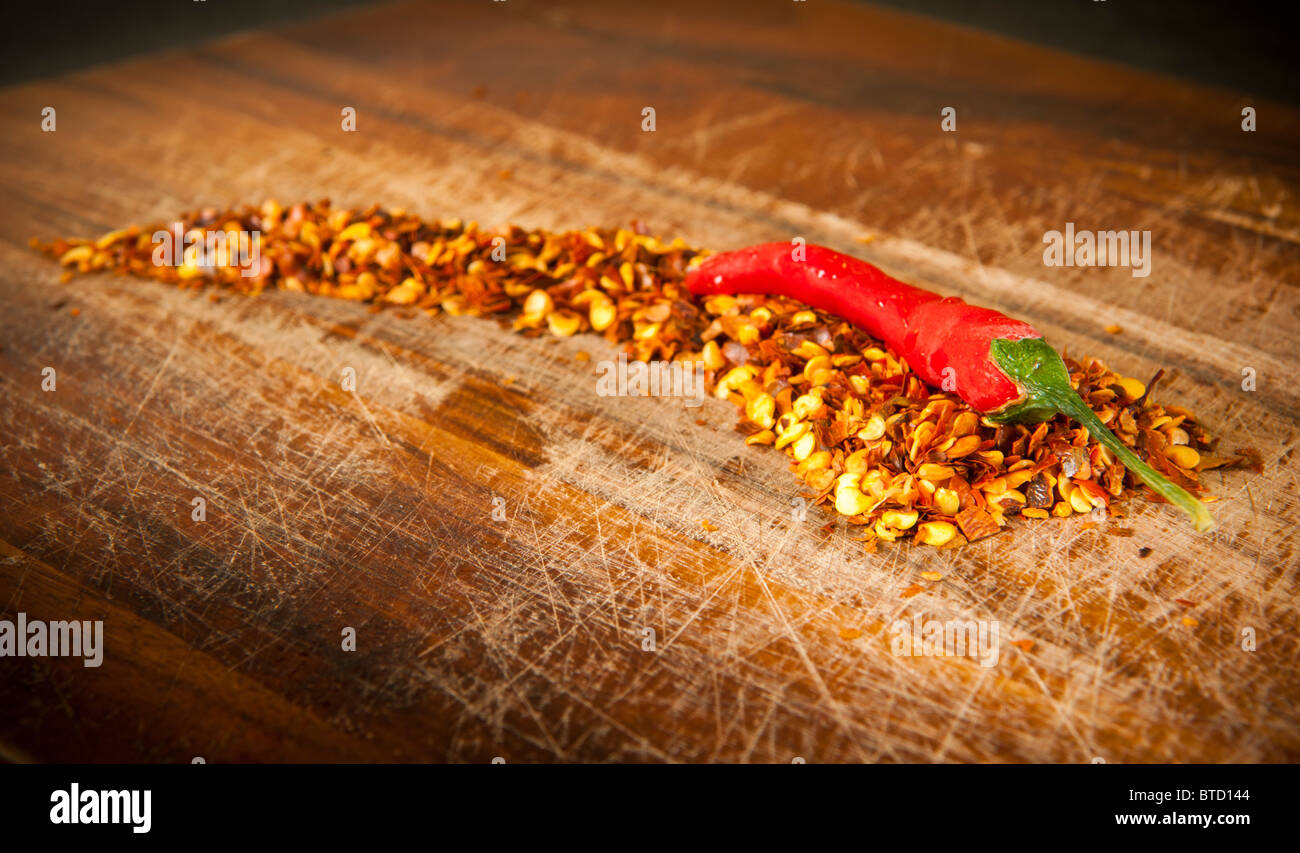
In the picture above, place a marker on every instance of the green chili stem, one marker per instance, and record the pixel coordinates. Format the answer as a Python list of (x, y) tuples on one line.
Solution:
[(1039, 370)]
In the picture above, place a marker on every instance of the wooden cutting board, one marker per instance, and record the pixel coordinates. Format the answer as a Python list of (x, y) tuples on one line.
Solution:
[(523, 636)]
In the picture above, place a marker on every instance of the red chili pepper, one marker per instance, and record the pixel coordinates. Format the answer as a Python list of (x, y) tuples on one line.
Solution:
[(999, 365)]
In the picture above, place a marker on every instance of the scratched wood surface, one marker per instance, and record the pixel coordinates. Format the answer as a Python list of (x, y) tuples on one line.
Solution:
[(522, 638)]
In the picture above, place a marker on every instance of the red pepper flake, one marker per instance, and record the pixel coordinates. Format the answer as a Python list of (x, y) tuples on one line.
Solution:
[(707, 525), (1253, 457), (849, 633), (1189, 622), (1185, 603), (912, 590), (932, 576), (975, 523), (1026, 645)]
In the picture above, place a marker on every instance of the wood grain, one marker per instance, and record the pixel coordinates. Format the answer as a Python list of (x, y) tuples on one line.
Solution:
[(522, 638)]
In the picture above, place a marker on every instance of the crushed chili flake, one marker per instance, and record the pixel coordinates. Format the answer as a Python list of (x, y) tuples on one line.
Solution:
[(1025, 645), (864, 434), (849, 633), (975, 523), (914, 589)]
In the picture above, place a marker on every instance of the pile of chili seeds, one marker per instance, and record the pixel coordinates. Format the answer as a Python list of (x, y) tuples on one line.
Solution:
[(864, 434)]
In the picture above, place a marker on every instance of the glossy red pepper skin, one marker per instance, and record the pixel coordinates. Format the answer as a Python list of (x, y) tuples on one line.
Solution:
[(932, 332)]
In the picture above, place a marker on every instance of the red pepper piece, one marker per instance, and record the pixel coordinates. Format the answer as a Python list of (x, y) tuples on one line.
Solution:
[(1001, 366)]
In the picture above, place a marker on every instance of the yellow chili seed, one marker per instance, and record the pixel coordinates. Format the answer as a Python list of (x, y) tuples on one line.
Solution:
[(883, 532), (538, 303), (734, 378), (921, 439), (820, 459), (820, 480), (856, 463), (761, 409), (603, 315), (965, 424), (1183, 456), (935, 533), (1133, 389), (875, 482), (809, 350), (806, 404), (931, 471), (355, 231), (963, 446), (1079, 501), (713, 358), (824, 376), (563, 323), (804, 447), (849, 499), (874, 429), (764, 437), (1061, 510), (721, 305), (899, 519), (791, 433), (78, 253), (113, 236), (1018, 478), (405, 293), (816, 364), (947, 501)]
